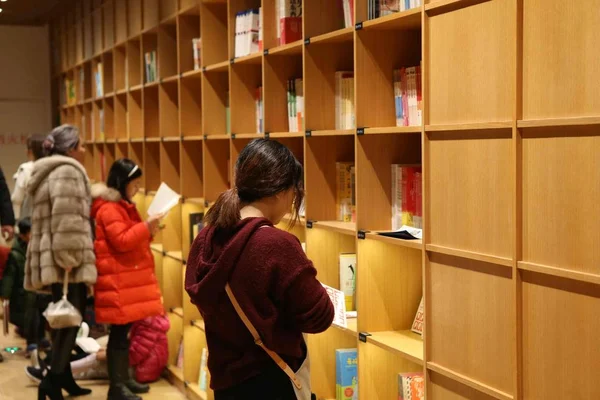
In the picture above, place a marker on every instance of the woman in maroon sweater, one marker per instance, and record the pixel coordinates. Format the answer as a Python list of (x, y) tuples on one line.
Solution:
[(269, 274)]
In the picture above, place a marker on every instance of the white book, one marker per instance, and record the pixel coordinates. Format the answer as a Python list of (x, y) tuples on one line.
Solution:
[(238, 28), (347, 265), (255, 30), (260, 28), (164, 200), (300, 105), (278, 18)]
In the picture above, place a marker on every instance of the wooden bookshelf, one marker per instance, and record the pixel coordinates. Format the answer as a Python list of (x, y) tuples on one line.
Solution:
[(510, 247)]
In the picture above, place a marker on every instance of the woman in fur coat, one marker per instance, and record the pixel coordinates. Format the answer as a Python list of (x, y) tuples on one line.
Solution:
[(127, 289), (61, 243)]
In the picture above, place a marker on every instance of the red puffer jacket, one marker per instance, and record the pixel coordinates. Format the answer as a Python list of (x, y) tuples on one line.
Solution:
[(149, 349), (127, 289)]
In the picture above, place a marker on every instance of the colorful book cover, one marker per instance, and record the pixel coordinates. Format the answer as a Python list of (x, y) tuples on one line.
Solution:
[(419, 320), (196, 47), (411, 386), (203, 374), (347, 265), (291, 29), (346, 374)]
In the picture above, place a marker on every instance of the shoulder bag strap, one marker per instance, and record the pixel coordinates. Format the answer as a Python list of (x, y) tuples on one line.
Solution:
[(258, 341)]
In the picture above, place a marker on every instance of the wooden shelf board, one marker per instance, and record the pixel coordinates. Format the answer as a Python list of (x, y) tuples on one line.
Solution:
[(465, 380), (109, 94), (559, 272), (551, 122), (136, 87), (196, 392), (255, 58), (169, 19), (444, 6), (406, 343), (177, 311), (111, 141), (248, 135), (218, 137), (341, 35), (346, 228), (413, 244), (195, 73), (98, 98), (198, 323), (286, 134), (137, 140), (157, 247), (222, 66), (152, 139), (151, 29), (176, 255), (88, 100), (168, 79), (176, 372), (170, 139), (151, 84), (288, 49), (334, 132), (393, 130), (352, 328), (469, 126), (507, 262), (190, 10), (192, 138), (121, 92), (410, 19)]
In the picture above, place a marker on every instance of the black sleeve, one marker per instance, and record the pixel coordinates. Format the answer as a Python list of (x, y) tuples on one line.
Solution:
[(7, 215)]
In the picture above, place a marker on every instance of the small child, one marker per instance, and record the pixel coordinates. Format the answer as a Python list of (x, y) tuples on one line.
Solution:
[(14, 275)]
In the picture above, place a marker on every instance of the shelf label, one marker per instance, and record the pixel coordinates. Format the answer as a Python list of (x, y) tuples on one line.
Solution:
[(233, 135), (362, 235), (358, 26), (204, 137), (309, 224), (362, 336), (203, 69), (267, 135), (266, 52), (232, 61), (360, 131), (338, 299), (307, 41), (308, 133)]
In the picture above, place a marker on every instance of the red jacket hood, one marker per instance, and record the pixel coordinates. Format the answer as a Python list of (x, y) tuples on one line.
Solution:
[(213, 257), (102, 194)]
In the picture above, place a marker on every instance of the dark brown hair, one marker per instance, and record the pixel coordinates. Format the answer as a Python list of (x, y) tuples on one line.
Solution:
[(35, 144), (263, 169)]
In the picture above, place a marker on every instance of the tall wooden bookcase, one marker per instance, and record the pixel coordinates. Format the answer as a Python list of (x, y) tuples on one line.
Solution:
[(510, 144)]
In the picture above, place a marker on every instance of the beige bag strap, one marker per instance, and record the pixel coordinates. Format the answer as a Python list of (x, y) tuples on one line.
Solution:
[(258, 341)]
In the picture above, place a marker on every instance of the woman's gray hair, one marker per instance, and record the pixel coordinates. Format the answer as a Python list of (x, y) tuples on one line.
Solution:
[(62, 139)]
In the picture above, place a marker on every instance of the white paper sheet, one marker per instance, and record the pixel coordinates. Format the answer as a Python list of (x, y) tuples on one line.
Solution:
[(163, 201), (339, 304)]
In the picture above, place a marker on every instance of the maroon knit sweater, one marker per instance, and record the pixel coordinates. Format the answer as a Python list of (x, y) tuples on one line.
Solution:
[(274, 283)]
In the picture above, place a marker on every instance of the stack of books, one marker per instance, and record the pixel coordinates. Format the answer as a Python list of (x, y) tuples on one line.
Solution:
[(348, 10), (381, 8), (288, 20), (407, 199), (344, 100), (346, 374), (411, 386), (345, 185), (295, 103), (408, 96), (196, 46), (98, 80), (150, 64), (259, 110), (247, 25)]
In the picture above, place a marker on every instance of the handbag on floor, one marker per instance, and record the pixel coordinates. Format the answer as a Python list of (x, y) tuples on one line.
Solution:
[(63, 314), (301, 379)]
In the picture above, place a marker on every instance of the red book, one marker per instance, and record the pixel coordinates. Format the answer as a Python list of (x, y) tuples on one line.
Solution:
[(291, 29)]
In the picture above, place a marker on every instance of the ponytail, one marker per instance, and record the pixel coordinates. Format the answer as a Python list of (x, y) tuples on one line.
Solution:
[(225, 213)]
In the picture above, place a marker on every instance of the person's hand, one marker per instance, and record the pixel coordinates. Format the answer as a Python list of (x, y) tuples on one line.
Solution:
[(8, 232), (154, 224)]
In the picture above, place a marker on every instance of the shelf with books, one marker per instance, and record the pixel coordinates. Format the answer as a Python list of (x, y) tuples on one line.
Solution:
[(189, 41), (215, 101), (413, 244), (213, 25), (168, 106), (243, 26), (121, 117), (247, 111), (150, 57), (167, 50), (190, 106), (284, 104), (120, 67), (97, 78)]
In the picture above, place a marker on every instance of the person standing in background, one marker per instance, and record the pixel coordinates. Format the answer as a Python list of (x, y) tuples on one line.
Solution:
[(7, 215), (20, 200), (127, 289), (61, 243)]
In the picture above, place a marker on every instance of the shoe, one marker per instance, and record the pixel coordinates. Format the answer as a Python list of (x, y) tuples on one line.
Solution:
[(137, 387), (121, 392), (68, 383), (36, 374), (50, 388), (118, 374)]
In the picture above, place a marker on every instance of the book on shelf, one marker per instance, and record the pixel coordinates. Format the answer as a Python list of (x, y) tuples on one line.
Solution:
[(179, 363), (288, 20), (196, 225), (70, 90), (196, 47), (419, 320), (407, 198), (150, 66), (339, 305), (346, 374), (344, 100), (261, 24), (247, 24), (203, 374), (345, 200), (101, 120), (381, 8), (295, 99), (347, 9), (259, 109), (405, 233), (81, 91), (411, 386), (408, 96), (347, 265), (227, 114), (98, 79)]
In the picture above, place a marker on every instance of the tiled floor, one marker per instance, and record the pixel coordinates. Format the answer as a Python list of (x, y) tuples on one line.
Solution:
[(14, 384)]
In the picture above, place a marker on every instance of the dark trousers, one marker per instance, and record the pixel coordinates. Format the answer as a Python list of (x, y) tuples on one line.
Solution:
[(63, 340), (118, 338), (35, 323), (271, 384)]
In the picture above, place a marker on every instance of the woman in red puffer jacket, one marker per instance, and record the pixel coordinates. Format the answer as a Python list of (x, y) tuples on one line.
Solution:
[(149, 349), (126, 290)]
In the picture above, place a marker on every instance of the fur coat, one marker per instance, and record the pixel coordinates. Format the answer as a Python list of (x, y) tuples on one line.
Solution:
[(61, 234)]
